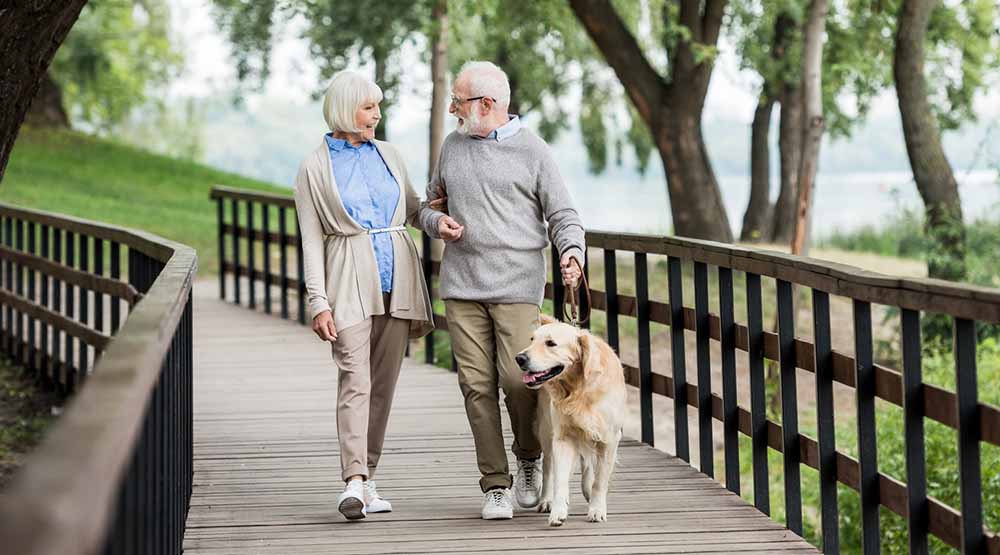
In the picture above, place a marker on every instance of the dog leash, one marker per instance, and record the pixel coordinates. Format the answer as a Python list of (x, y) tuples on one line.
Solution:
[(574, 316)]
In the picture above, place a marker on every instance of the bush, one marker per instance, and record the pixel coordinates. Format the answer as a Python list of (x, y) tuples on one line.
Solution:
[(941, 453)]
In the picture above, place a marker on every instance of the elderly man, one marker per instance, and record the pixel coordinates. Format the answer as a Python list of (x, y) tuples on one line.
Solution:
[(499, 179)]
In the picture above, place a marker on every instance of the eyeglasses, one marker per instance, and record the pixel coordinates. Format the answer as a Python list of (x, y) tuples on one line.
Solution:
[(456, 100)]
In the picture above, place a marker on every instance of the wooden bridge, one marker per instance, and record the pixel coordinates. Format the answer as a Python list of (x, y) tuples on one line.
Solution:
[(198, 425)]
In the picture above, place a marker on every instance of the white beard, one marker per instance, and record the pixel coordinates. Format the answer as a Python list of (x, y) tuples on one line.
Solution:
[(472, 125)]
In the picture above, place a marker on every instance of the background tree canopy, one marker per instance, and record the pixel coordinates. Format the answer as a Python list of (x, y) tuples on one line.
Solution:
[(118, 52)]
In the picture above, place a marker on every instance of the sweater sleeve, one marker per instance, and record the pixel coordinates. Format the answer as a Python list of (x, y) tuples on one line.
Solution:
[(430, 218), (565, 226), (311, 233)]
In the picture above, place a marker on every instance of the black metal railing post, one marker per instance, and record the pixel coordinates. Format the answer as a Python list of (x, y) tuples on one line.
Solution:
[(675, 284), (825, 425), (611, 297), (645, 356), (730, 412), (867, 443), (758, 407)]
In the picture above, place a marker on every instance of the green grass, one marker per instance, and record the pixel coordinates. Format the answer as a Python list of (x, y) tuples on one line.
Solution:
[(87, 177), (25, 414)]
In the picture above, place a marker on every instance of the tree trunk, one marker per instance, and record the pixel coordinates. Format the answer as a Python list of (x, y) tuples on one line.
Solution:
[(932, 172), (757, 219), (380, 59), (672, 111), (439, 79), (30, 34), (790, 147), (46, 108), (812, 133), (439, 99), (695, 199)]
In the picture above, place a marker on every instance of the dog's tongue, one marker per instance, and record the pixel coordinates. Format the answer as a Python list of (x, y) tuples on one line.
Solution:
[(528, 378)]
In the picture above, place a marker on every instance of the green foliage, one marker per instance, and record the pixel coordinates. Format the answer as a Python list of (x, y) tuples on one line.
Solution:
[(339, 33), (857, 62), (592, 126), (83, 176), (535, 42), (941, 451), (338, 30), (964, 47), (941, 460), (117, 51), (903, 235), (545, 51)]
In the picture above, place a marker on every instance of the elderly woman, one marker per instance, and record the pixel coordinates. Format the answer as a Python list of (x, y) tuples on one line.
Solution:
[(366, 292)]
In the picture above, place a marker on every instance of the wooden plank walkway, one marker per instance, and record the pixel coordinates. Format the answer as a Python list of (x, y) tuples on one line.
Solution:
[(267, 474)]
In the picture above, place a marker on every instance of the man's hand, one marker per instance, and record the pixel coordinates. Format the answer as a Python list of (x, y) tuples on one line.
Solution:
[(450, 230), (571, 270), (323, 326), (441, 203)]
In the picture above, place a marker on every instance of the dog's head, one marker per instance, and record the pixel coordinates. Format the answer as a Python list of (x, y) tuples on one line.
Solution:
[(557, 351)]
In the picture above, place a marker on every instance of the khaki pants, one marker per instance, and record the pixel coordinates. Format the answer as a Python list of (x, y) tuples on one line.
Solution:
[(484, 338), (369, 356)]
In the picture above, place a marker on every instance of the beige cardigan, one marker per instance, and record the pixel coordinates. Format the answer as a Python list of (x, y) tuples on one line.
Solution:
[(340, 269)]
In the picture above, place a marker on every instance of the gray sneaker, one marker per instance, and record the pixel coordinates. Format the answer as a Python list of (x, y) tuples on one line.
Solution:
[(496, 505), (528, 482)]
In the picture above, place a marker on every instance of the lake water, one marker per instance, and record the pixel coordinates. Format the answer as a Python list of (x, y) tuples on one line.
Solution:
[(842, 201)]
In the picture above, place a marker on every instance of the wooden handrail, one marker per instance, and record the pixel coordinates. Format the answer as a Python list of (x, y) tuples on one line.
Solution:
[(955, 299), (61, 500)]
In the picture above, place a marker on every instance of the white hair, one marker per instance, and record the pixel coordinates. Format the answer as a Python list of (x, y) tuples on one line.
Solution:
[(348, 90), (486, 79)]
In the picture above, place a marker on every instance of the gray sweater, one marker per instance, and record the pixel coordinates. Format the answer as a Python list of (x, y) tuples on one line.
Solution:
[(503, 192)]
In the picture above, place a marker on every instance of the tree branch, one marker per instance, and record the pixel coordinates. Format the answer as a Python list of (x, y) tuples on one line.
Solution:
[(643, 84)]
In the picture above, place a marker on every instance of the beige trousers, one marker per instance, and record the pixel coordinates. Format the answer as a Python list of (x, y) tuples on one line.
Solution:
[(484, 339), (368, 355)]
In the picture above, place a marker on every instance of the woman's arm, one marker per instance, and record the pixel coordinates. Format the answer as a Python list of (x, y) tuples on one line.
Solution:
[(311, 235)]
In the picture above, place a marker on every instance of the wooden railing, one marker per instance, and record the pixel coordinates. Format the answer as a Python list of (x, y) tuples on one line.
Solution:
[(114, 473), (973, 421)]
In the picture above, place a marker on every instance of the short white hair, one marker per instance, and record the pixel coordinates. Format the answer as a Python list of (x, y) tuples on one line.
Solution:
[(486, 79), (348, 90)]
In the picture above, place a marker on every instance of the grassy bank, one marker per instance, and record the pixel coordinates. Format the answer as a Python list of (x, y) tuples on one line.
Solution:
[(902, 236), (92, 178), (25, 413)]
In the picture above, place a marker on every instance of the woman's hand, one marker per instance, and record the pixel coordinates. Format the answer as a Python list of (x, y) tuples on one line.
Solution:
[(441, 202), (323, 326)]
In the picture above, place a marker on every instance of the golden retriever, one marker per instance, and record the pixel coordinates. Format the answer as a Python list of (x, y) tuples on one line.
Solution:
[(581, 410)]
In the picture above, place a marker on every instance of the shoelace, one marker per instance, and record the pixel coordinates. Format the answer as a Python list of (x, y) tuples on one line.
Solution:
[(528, 473), (497, 497), (370, 490)]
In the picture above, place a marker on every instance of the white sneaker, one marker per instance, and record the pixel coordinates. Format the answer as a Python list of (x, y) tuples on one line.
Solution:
[(374, 501), (351, 503), (528, 482), (496, 505)]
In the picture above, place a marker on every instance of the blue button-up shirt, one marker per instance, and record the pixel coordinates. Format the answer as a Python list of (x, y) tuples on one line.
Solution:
[(370, 194), (508, 129)]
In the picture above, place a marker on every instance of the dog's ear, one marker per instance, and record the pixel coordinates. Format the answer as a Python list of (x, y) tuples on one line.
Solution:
[(544, 319), (589, 354)]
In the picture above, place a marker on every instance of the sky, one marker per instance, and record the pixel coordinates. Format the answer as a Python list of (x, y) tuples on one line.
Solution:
[(277, 126)]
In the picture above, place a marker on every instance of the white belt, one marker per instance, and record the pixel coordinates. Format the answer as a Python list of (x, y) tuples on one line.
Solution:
[(385, 229)]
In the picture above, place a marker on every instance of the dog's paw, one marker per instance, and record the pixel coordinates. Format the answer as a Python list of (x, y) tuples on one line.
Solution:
[(545, 505), (597, 514), (558, 516)]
